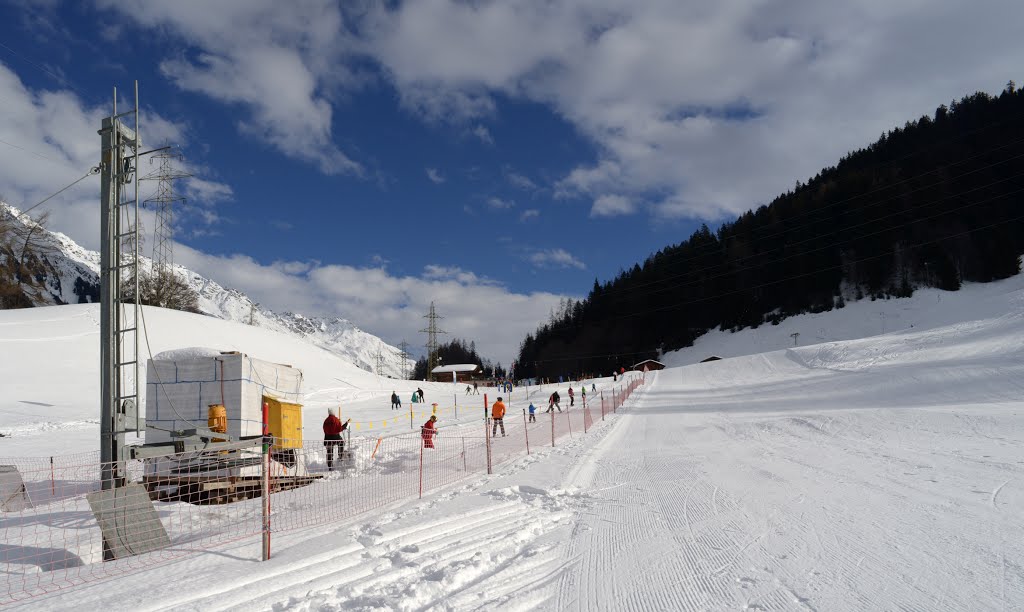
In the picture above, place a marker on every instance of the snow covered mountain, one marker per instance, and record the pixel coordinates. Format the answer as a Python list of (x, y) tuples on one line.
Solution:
[(69, 274)]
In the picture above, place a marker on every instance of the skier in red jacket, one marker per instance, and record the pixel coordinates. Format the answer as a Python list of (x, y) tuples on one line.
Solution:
[(428, 431), (332, 436)]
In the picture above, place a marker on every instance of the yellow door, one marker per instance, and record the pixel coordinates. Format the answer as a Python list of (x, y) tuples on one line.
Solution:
[(285, 423)]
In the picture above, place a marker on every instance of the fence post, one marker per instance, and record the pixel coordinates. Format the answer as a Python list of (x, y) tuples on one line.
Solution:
[(526, 429), (551, 410), (602, 404), (411, 426), (569, 421), (464, 468), (487, 439), (614, 406), (53, 490), (585, 412), (421, 468), (265, 482)]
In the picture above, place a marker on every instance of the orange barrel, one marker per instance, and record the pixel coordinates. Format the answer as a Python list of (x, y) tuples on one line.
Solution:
[(217, 420)]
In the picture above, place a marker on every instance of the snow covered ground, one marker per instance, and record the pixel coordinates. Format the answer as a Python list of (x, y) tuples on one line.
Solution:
[(49, 357), (875, 473)]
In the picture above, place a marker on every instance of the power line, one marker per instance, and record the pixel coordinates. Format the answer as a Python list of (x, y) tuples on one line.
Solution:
[(62, 80), (164, 201), (404, 356), (39, 155), (432, 331), (91, 172)]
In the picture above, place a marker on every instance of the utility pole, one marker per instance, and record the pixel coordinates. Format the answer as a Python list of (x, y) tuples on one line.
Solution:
[(380, 361), (119, 287), (404, 356), (163, 202), (432, 331)]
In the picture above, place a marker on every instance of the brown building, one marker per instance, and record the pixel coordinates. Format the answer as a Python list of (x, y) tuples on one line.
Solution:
[(465, 372), (649, 364)]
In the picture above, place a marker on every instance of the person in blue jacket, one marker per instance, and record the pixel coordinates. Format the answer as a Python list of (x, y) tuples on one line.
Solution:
[(533, 415)]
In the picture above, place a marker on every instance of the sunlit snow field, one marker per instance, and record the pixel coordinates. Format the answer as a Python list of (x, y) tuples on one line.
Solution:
[(855, 471)]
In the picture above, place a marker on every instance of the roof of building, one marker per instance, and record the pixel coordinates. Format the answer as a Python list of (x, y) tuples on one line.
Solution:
[(455, 367)]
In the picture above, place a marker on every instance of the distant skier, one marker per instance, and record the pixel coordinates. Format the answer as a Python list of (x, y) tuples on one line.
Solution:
[(553, 402), (533, 415), (396, 403), (572, 398), (476, 389), (498, 414), (415, 397), (420, 391), (583, 394), (593, 388), (332, 436), (428, 431), (469, 389)]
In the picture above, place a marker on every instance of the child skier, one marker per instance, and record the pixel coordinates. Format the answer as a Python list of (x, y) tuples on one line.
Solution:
[(498, 414), (428, 431)]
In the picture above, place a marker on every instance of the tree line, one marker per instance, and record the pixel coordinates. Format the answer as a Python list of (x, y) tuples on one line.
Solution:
[(459, 351), (933, 203)]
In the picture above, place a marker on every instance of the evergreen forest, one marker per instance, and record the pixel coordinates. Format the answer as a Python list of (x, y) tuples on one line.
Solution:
[(934, 203)]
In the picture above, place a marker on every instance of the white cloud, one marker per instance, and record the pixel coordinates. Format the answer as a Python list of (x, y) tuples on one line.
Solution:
[(703, 110), (437, 272), (386, 305), (697, 109), (435, 176), (280, 61), (530, 213), (294, 268), (611, 206), (206, 191), (55, 142), (500, 204), (481, 132), (519, 181), (50, 141), (439, 105), (555, 258)]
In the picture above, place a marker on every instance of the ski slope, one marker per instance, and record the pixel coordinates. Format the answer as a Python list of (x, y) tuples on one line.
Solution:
[(49, 357), (877, 473)]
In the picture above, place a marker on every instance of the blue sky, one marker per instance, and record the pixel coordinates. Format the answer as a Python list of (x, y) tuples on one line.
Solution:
[(362, 159)]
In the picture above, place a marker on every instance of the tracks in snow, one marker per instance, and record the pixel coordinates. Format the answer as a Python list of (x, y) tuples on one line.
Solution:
[(704, 510), (425, 557)]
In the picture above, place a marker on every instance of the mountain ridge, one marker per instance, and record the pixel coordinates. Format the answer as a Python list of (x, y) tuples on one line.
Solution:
[(64, 272)]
